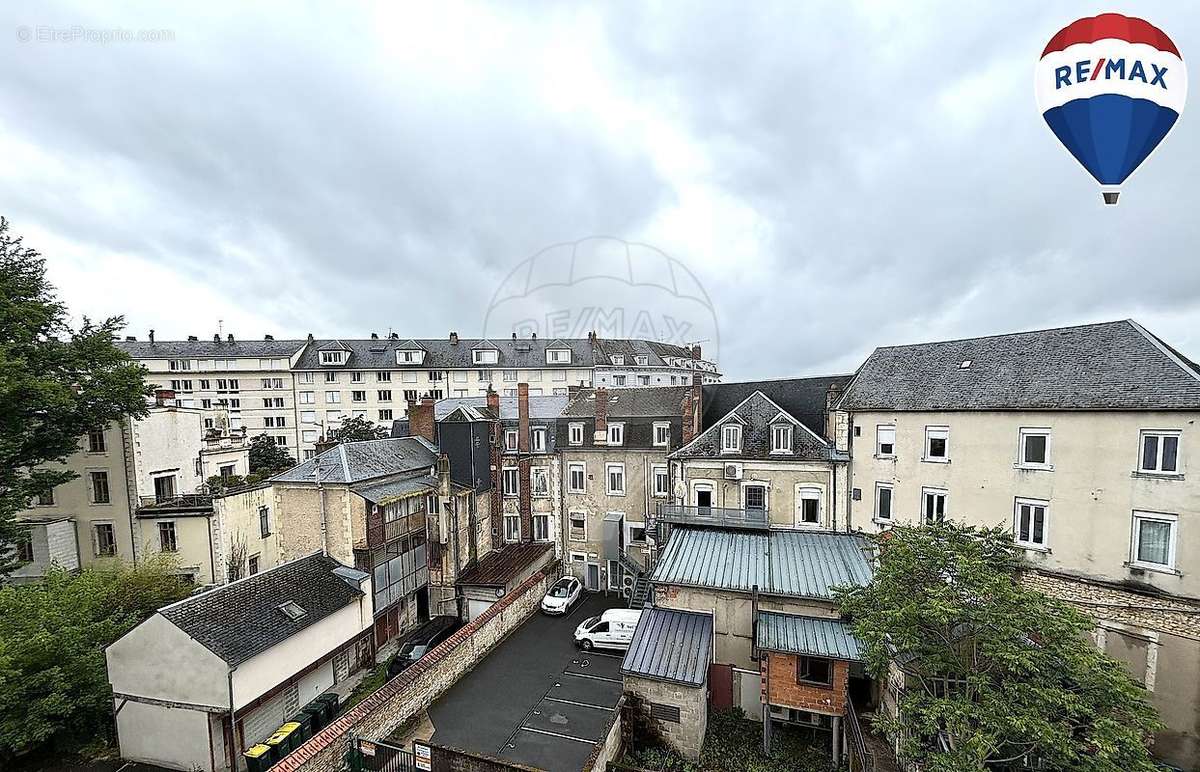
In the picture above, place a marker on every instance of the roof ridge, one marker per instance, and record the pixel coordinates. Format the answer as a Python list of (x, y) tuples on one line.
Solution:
[(227, 585), (1165, 348), (1003, 335)]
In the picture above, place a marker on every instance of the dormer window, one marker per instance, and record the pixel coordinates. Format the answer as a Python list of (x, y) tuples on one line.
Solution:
[(558, 356), (485, 356), (409, 357), (618, 359), (642, 360), (333, 357), (731, 439), (781, 438)]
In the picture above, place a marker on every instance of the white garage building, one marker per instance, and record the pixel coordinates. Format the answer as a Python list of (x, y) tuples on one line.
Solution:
[(207, 677)]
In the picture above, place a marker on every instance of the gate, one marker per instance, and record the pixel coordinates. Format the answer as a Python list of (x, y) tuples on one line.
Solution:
[(377, 756), (720, 686)]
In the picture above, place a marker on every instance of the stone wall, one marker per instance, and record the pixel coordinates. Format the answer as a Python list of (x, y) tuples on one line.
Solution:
[(416, 688), (1162, 613), (686, 735), (610, 749)]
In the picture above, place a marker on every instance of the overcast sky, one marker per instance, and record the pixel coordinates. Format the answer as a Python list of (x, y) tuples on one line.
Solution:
[(836, 176)]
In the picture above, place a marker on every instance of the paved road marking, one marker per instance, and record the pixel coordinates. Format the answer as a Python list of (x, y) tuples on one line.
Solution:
[(563, 736), (594, 677), (609, 708)]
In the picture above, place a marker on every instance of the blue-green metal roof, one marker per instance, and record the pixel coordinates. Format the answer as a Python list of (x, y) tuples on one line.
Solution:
[(670, 645), (792, 634), (806, 564)]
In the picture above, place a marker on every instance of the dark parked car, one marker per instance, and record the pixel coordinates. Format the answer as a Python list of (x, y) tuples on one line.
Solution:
[(420, 641)]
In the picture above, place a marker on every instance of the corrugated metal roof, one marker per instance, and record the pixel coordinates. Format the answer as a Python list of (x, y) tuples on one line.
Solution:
[(384, 493), (806, 635), (794, 563), (352, 462), (670, 645)]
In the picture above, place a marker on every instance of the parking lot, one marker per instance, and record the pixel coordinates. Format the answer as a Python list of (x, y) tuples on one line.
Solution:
[(536, 699)]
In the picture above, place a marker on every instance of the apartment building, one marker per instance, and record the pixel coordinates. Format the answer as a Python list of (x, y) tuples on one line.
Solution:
[(614, 446), (1079, 440)]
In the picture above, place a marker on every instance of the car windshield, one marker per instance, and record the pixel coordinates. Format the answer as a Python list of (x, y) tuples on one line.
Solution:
[(587, 623), (416, 652), (560, 590)]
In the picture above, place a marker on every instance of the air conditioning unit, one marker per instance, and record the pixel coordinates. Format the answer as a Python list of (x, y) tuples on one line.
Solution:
[(781, 713), (733, 471)]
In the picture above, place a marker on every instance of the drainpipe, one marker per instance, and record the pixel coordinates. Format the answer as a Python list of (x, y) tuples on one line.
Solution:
[(232, 726), (321, 508)]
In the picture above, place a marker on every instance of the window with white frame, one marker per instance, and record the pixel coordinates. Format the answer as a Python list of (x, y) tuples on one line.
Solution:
[(1159, 452), (306, 377), (1154, 540), (356, 377), (309, 435), (558, 356), (575, 434), (485, 356), (383, 376), (511, 481), (618, 380), (510, 375), (333, 396), (618, 359), (307, 398), (538, 440), (577, 526), (641, 360), (662, 434), (754, 496), (1030, 523), (883, 502), (1033, 448), (541, 526), (385, 415), (808, 506), (576, 477), (512, 527), (662, 481), (539, 482), (615, 479), (885, 440), (933, 505), (331, 377), (333, 357), (635, 533), (731, 438), (781, 438), (616, 434), (937, 443), (510, 439)]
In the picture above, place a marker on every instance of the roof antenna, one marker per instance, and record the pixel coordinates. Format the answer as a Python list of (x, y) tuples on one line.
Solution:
[(220, 326)]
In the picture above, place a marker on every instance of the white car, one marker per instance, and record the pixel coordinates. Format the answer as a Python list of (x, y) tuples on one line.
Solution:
[(562, 595), (611, 630)]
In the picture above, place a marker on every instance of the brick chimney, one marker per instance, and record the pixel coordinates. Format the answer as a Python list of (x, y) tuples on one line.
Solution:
[(495, 459), (696, 352), (443, 469), (493, 402), (524, 462), (692, 408), (164, 397), (831, 397), (453, 338), (601, 435), (420, 420)]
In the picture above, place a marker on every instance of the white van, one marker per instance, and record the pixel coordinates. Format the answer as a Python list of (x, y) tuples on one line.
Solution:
[(611, 630)]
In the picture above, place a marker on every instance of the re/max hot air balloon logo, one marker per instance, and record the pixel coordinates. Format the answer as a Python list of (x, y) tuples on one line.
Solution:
[(1111, 87)]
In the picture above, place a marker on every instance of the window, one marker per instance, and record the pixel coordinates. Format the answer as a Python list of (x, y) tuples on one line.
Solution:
[(635, 533), (731, 439), (814, 670), (179, 364), (662, 434), (641, 360), (205, 384), (615, 476), (276, 383), (510, 375), (409, 377), (45, 498), (616, 434), (24, 547), (383, 376), (933, 505), (512, 528), (808, 506), (410, 395), (96, 443), (166, 537), (306, 377), (99, 487), (578, 526), (781, 438), (485, 356), (1034, 448), (511, 481), (253, 565), (356, 377), (754, 497), (885, 441), (539, 482), (618, 380), (385, 415), (309, 435), (264, 522), (937, 443), (618, 359), (1029, 524), (576, 477), (662, 481), (435, 375), (358, 396), (538, 440), (510, 439), (1160, 452), (105, 537), (333, 357), (292, 610), (333, 397), (482, 376), (558, 356), (541, 526), (1154, 540), (883, 502), (575, 434), (643, 380)]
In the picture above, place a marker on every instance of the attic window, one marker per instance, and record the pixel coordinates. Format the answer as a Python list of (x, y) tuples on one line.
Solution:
[(333, 357), (966, 365), (485, 356), (293, 610), (618, 359)]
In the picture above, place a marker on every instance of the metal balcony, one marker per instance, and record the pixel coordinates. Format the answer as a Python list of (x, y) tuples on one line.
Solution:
[(748, 519)]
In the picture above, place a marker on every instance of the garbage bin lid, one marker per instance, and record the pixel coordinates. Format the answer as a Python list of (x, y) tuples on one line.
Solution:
[(282, 733), (257, 750)]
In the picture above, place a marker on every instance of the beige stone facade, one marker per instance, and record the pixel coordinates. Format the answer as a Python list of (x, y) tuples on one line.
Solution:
[(686, 734)]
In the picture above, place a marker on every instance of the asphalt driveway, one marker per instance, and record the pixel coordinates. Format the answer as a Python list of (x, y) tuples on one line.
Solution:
[(536, 699)]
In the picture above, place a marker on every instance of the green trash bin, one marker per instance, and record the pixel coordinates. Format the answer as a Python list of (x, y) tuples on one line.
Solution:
[(317, 710), (334, 703), (259, 758), (282, 743), (304, 728)]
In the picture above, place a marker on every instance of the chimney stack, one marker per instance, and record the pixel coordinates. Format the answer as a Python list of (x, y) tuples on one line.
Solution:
[(514, 336), (443, 468), (152, 336), (495, 454), (192, 337), (230, 336), (493, 401), (325, 444), (524, 463), (420, 420), (693, 409), (395, 336), (130, 338), (831, 397), (310, 338), (696, 351), (601, 435), (216, 337), (374, 336), (268, 337), (453, 338)]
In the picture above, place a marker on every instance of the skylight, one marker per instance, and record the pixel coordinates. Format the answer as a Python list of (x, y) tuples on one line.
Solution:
[(966, 365), (293, 610)]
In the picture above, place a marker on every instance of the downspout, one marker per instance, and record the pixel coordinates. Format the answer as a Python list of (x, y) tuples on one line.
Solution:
[(233, 742), (321, 509)]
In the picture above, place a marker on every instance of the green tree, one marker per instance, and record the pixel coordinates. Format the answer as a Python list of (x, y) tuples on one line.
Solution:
[(266, 457), (54, 691), (56, 383), (357, 429), (995, 670)]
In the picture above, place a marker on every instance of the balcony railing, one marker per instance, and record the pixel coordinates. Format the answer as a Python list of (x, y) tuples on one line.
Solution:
[(752, 519), (184, 501)]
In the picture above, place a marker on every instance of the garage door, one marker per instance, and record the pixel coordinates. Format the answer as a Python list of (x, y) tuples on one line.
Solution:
[(477, 607)]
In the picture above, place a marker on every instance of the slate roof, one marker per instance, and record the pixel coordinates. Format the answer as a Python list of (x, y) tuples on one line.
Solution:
[(670, 645), (756, 415), (242, 619), (803, 398), (441, 353), (794, 634), (223, 349), (1109, 366), (387, 491), (497, 569), (804, 564), (542, 407), (640, 402), (352, 462)]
